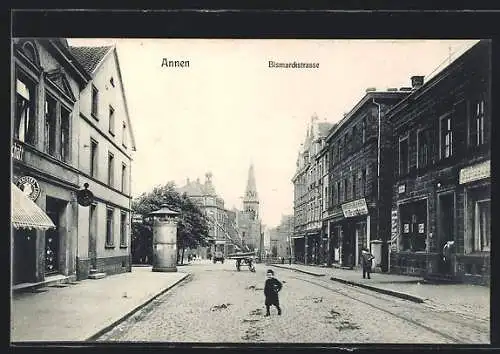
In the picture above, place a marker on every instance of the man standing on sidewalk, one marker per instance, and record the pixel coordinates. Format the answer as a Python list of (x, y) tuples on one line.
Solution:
[(366, 262)]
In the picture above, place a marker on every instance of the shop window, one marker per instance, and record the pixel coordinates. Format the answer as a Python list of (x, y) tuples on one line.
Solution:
[(65, 135), (93, 157), (482, 225), (403, 156), (476, 129), (123, 229), (109, 227), (50, 126), (111, 167), (111, 121), (423, 149), (446, 137), (24, 128), (95, 101)]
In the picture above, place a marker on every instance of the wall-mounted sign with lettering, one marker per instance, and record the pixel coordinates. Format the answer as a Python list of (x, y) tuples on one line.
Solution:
[(421, 228), (355, 208), (475, 172), (402, 188), (29, 186), (406, 228)]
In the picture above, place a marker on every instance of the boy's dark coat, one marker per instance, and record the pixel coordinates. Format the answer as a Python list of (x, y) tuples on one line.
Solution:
[(271, 289)]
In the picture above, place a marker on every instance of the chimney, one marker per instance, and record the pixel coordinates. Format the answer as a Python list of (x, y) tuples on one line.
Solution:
[(187, 180), (405, 89), (392, 89), (417, 81), (371, 89)]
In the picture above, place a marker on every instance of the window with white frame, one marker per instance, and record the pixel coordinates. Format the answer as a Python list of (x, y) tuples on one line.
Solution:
[(50, 131), (476, 129), (446, 137), (111, 169), (109, 227), (95, 102), (123, 229), (111, 120), (93, 157), (24, 120)]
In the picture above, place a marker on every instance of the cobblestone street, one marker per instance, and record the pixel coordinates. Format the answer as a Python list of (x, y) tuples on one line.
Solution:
[(218, 304)]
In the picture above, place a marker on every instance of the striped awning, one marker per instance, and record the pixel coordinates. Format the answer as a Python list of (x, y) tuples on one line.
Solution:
[(26, 214)]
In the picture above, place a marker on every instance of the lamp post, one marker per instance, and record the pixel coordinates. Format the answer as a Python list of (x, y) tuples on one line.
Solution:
[(164, 239)]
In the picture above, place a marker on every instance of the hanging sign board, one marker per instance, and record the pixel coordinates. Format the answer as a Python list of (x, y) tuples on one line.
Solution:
[(355, 208)]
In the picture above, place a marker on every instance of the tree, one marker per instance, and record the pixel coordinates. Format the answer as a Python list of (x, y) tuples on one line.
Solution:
[(192, 226)]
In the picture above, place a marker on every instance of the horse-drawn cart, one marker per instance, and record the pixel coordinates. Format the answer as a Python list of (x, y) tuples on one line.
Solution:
[(247, 258)]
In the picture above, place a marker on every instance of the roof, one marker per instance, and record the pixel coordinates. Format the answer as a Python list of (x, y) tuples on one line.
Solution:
[(90, 57), (26, 214), (435, 80)]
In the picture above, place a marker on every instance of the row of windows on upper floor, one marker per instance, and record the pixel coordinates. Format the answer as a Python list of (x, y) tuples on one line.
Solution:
[(110, 115), (465, 128), (94, 163), (110, 234), (56, 120), (56, 128)]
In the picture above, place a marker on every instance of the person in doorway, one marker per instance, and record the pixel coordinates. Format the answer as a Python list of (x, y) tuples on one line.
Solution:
[(366, 262), (271, 290)]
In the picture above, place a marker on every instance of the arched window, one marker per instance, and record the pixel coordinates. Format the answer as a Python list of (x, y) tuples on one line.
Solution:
[(30, 51)]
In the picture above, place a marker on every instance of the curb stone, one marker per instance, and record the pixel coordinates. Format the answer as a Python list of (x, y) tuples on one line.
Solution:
[(383, 291), (134, 310), (299, 270)]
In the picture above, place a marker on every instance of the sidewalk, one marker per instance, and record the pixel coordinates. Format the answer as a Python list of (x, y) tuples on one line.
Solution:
[(460, 298), (82, 309)]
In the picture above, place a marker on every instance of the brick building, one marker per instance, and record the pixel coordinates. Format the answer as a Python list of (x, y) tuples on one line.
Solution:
[(442, 183), (359, 179)]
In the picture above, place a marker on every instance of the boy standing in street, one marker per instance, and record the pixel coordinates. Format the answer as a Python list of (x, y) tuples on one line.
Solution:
[(366, 262), (271, 290)]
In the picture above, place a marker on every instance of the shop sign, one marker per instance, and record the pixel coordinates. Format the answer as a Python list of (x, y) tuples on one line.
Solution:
[(17, 151), (421, 228), (29, 186), (402, 188), (355, 208), (84, 196), (406, 228), (475, 172), (394, 223)]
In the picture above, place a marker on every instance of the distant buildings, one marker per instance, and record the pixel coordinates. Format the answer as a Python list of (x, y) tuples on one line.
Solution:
[(281, 238), (309, 236)]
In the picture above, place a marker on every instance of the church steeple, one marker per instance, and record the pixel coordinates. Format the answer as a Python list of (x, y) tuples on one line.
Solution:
[(251, 198)]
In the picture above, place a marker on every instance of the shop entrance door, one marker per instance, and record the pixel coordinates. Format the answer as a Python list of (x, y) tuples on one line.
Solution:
[(24, 256), (414, 226), (348, 245), (446, 227), (54, 210)]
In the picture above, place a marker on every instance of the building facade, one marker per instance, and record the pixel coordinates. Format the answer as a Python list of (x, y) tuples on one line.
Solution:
[(442, 189), (106, 145), (281, 237), (359, 180), (309, 238), (46, 81)]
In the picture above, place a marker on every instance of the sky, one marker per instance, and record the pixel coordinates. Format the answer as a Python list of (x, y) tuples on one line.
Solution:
[(229, 109)]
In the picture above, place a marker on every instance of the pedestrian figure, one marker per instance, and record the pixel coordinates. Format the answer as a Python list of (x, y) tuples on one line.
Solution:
[(271, 290), (366, 262), (290, 260)]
